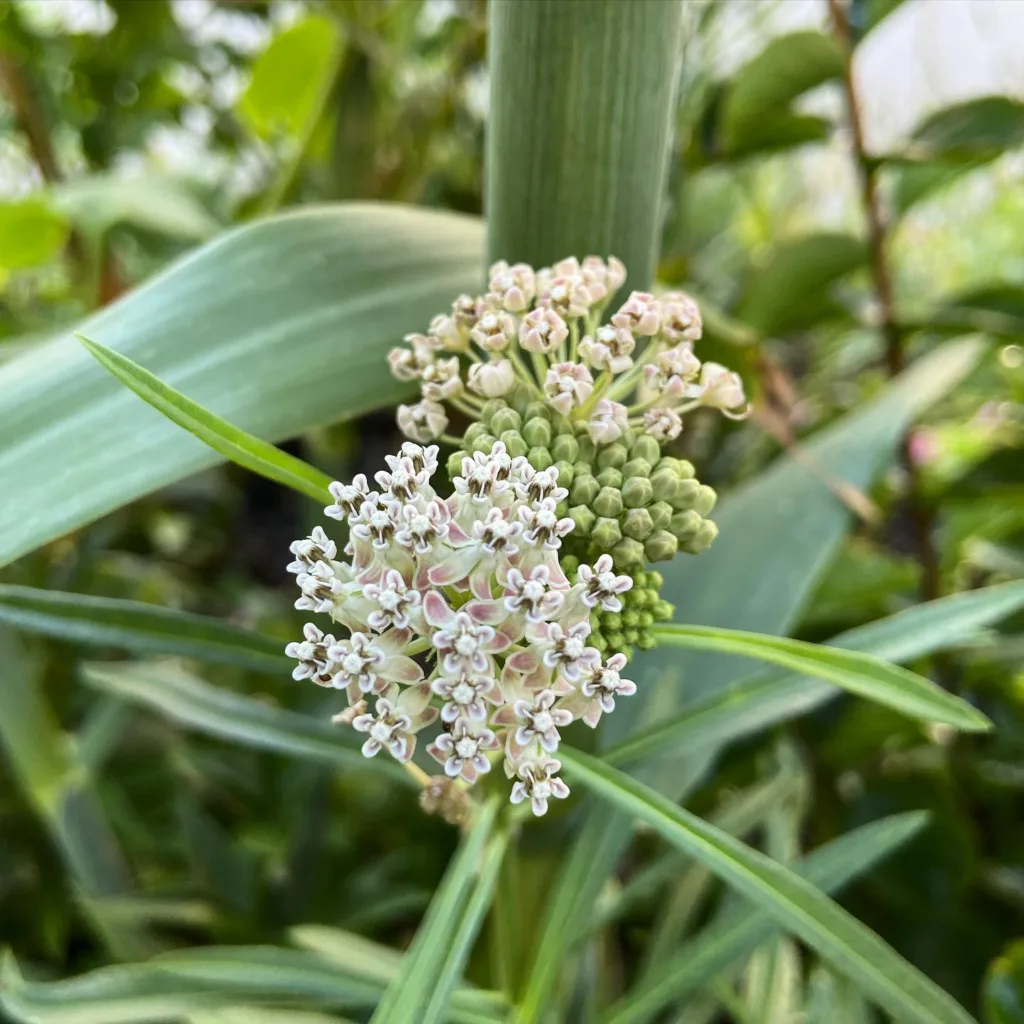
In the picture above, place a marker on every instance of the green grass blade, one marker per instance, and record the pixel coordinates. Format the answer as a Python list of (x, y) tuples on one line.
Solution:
[(137, 626), (854, 950), (861, 674), (412, 990), (234, 444), (194, 703)]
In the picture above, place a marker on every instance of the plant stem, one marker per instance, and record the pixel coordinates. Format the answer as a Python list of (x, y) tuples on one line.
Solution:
[(921, 513)]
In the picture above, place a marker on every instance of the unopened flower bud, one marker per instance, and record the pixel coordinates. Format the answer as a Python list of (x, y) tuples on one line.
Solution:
[(565, 448), (701, 539), (570, 563), (608, 421), (687, 494), (645, 641), (661, 514), (664, 485), (684, 469), (494, 330), (680, 317), (663, 611), (535, 410), (537, 432), (661, 546), (611, 621), (482, 443), (565, 471), (584, 489), (723, 389), (646, 620), (455, 462), (609, 477), (646, 448), (567, 386), (640, 313), (637, 523), (540, 458), (505, 419), (606, 533), (423, 421), (627, 552), (611, 348), (492, 380), (636, 467), (662, 424), (514, 443), (614, 455), (630, 619), (584, 519), (608, 502), (685, 524), (489, 410), (473, 431), (512, 287), (637, 492), (542, 330), (705, 500)]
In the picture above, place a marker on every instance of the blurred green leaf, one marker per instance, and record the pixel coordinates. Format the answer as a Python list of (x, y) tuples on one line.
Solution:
[(1003, 993), (984, 126), (832, 1000), (870, 13), (189, 700), (279, 326), (223, 866), (31, 232), (790, 291), (735, 934), (234, 444), (289, 78), (136, 626), (838, 938), (259, 1015), (862, 674)]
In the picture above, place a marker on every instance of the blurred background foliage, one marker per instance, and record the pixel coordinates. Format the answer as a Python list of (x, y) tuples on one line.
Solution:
[(831, 238)]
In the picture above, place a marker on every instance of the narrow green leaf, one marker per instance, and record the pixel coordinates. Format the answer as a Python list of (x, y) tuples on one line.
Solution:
[(412, 990), (886, 684), (854, 950), (187, 699), (234, 444), (736, 934), (580, 86), (136, 626)]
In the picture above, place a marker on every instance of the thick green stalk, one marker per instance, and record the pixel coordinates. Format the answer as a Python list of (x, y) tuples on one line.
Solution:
[(582, 95)]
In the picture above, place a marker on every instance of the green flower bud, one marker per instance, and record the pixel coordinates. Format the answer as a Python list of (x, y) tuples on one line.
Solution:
[(637, 492), (661, 514), (584, 488), (705, 501), (663, 611), (588, 450), (636, 523), (631, 635), (646, 448), (570, 563), (645, 641), (702, 538), (613, 455), (473, 431), (490, 410), (687, 492), (605, 533), (514, 443), (582, 468), (537, 410), (608, 503), (611, 621), (636, 467), (609, 477), (646, 620), (655, 579), (650, 597), (685, 524), (565, 473), (565, 448), (615, 640), (626, 649), (685, 469), (506, 419), (597, 640), (629, 438), (627, 552), (540, 458), (483, 443), (630, 619), (537, 432), (560, 424), (562, 509), (669, 464), (520, 397), (661, 546), (663, 485), (455, 462)]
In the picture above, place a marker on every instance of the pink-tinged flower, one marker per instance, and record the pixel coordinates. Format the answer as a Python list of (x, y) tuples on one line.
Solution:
[(409, 363), (723, 389), (563, 289), (611, 348), (543, 527), (466, 696), (532, 595), (462, 751), (497, 534), (349, 498), (600, 586), (466, 643), (535, 485), (566, 650), (668, 387), (423, 421), (441, 380), (395, 720), (640, 313), (679, 361), (420, 528), (567, 385), (662, 424), (512, 287), (311, 654), (603, 279), (538, 784), (680, 317), (542, 330), (608, 422), (599, 688), (538, 719), (396, 603), (317, 547), (367, 663), (375, 523), (494, 330), (492, 380)]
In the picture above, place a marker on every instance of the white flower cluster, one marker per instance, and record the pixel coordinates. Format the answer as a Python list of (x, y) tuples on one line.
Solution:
[(470, 585), (542, 331)]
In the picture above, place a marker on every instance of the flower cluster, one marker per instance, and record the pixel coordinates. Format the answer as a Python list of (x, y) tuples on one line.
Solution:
[(459, 611), (541, 334)]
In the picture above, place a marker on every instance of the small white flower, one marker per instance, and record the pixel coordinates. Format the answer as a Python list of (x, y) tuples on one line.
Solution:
[(512, 287), (421, 528), (465, 696), (538, 784), (537, 484), (564, 290), (466, 646), (349, 498), (532, 594), (448, 334), (319, 588), (668, 386), (606, 684), (441, 380), (567, 385), (542, 330), (492, 380), (396, 602), (375, 522), (485, 478), (497, 534), (601, 586), (539, 719), (494, 330), (387, 727), (402, 482), (543, 527), (317, 547), (723, 389), (461, 751), (410, 363), (357, 661), (423, 421), (640, 313), (608, 422), (680, 317), (679, 361), (423, 459), (662, 424), (566, 649), (603, 279), (311, 654), (611, 348)]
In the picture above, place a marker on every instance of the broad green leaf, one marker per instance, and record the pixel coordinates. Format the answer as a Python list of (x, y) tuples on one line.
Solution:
[(187, 699), (289, 78), (596, 92), (234, 444), (769, 698), (278, 327), (854, 950), (787, 67), (441, 944), (31, 232), (136, 626), (736, 934), (1003, 993), (889, 685), (985, 126), (791, 290)]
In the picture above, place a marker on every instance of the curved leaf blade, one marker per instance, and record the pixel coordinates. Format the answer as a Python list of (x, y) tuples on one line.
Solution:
[(278, 327), (137, 626), (854, 950)]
